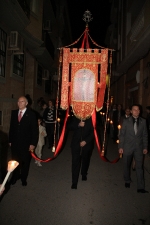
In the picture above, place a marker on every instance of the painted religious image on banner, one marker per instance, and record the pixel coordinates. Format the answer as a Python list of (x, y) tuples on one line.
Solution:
[(84, 86)]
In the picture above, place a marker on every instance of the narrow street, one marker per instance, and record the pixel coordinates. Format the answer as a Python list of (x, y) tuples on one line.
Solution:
[(102, 199)]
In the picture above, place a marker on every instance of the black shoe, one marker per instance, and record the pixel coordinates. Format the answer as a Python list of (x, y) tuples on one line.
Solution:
[(127, 185), (133, 168), (84, 177), (142, 191), (24, 183), (74, 186)]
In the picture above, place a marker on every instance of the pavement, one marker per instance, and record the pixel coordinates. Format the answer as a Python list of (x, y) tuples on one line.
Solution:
[(101, 200)]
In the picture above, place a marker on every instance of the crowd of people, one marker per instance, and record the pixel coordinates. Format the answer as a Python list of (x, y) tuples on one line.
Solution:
[(29, 127)]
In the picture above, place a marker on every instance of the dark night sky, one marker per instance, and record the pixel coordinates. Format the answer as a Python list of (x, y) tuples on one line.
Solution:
[(100, 10)]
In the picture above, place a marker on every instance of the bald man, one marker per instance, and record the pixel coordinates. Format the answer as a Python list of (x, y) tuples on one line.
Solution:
[(23, 138)]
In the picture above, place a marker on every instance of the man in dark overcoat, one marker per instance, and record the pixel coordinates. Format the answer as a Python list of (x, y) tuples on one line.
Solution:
[(133, 142), (23, 138), (82, 145)]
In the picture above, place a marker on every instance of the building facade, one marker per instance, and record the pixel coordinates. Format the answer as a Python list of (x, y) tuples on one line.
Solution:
[(129, 36), (31, 33)]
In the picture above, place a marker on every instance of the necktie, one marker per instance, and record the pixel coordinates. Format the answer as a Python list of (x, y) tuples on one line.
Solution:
[(135, 126), (20, 116)]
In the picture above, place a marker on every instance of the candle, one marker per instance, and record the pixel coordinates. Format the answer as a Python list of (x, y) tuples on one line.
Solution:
[(53, 149), (11, 166), (58, 119), (108, 119), (119, 127)]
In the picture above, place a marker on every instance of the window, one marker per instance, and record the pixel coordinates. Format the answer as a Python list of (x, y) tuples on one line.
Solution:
[(3, 39), (39, 75), (18, 65)]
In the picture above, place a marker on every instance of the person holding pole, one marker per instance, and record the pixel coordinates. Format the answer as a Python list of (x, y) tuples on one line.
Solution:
[(82, 145)]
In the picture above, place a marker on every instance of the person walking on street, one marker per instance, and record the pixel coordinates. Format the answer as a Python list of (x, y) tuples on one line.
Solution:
[(82, 145), (41, 142), (49, 117), (23, 138), (133, 142)]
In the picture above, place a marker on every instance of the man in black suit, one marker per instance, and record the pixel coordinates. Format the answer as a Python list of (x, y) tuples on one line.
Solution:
[(81, 146), (23, 137), (133, 142)]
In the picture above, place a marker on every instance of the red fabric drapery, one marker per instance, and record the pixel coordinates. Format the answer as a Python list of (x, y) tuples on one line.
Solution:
[(58, 148), (81, 61)]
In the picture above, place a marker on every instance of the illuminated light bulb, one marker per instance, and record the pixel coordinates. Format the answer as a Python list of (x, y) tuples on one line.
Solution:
[(119, 127), (58, 119), (53, 149)]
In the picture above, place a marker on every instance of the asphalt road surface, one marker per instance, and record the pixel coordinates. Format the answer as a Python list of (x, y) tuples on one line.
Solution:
[(101, 200)]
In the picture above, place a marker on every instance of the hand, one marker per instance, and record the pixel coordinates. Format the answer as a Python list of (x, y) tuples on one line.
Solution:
[(81, 124), (10, 144), (120, 150), (2, 190), (145, 151), (82, 143), (31, 148)]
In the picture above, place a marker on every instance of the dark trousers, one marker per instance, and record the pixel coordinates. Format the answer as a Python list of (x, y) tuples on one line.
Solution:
[(50, 133), (80, 159), (22, 170), (127, 160)]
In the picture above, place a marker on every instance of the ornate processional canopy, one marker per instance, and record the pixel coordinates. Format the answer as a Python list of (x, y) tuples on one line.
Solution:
[(84, 72)]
